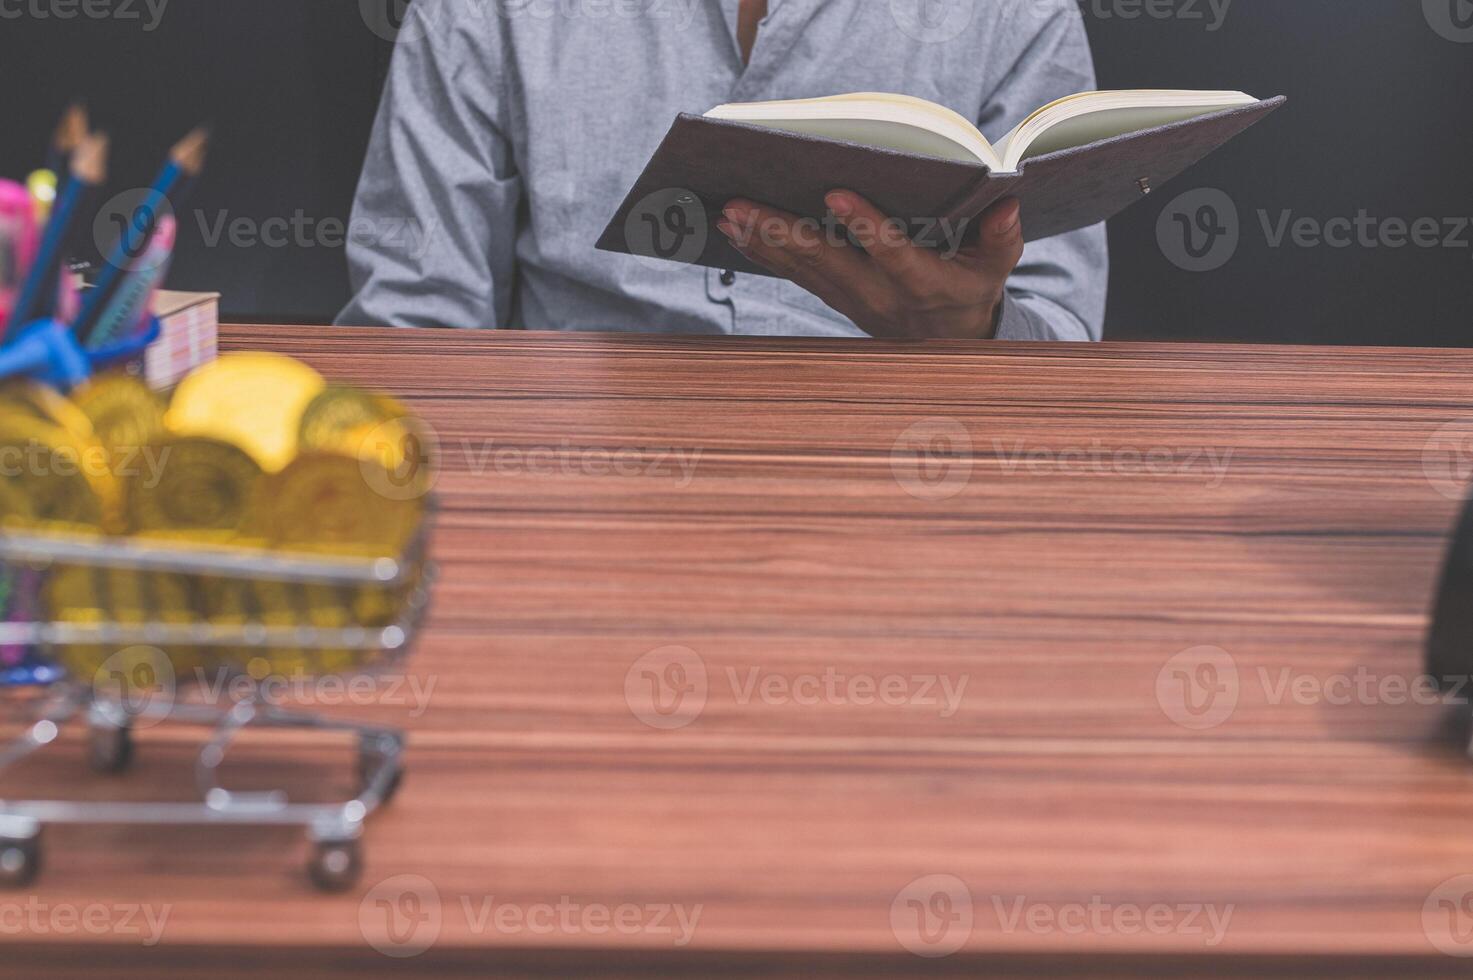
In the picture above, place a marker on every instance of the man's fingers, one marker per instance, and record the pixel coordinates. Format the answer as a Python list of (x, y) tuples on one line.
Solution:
[(796, 249), (883, 237), (999, 243)]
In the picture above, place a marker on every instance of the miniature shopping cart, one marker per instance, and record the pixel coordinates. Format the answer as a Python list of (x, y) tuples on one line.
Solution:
[(36, 645)]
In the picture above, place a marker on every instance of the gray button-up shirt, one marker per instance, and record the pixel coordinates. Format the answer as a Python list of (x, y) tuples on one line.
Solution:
[(510, 130)]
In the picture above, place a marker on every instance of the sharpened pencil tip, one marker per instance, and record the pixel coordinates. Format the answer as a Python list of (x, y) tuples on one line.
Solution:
[(189, 153), (89, 162), (72, 129)]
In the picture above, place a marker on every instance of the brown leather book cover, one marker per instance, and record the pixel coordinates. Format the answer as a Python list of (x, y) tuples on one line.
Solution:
[(671, 211)]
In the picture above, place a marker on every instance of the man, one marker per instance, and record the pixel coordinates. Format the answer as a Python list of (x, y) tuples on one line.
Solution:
[(511, 129)]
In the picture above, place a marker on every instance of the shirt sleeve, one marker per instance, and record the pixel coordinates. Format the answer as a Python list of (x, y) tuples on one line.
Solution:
[(433, 233), (1058, 290)]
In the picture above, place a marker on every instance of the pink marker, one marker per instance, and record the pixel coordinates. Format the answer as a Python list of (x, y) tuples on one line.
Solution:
[(19, 240)]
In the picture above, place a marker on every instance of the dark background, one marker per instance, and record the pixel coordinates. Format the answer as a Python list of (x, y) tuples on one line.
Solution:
[(1379, 119)]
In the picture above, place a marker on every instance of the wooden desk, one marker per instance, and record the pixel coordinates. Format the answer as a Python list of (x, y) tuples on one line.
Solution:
[(829, 584)]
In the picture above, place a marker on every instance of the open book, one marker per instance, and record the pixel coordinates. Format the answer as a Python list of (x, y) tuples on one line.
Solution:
[(911, 125), (1071, 164)]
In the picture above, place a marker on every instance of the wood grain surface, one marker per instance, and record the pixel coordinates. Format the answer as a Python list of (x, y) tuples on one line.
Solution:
[(1123, 642)]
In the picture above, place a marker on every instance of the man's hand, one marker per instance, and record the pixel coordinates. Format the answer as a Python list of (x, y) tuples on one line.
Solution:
[(890, 287)]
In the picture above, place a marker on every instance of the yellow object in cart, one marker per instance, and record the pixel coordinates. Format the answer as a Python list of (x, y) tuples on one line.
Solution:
[(333, 503), (204, 490), (254, 401), (255, 452), (126, 417)]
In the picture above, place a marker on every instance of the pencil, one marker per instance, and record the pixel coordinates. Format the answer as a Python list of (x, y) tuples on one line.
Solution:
[(89, 169), (186, 160), (69, 133)]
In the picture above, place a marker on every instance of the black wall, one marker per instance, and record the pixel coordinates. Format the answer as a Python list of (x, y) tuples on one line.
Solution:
[(1379, 121)]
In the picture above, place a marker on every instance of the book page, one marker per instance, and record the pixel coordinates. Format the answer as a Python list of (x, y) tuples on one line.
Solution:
[(1090, 117), (890, 122)]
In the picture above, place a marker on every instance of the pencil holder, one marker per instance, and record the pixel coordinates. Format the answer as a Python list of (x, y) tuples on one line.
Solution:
[(48, 351)]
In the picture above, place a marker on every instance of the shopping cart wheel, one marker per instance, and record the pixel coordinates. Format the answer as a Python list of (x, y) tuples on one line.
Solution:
[(20, 860), (110, 748), (335, 865)]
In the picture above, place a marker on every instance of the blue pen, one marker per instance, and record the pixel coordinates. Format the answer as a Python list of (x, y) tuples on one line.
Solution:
[(186, 159), (89, 169)]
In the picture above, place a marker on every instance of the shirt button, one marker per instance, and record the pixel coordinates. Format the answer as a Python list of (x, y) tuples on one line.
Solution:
[(728, 278)]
